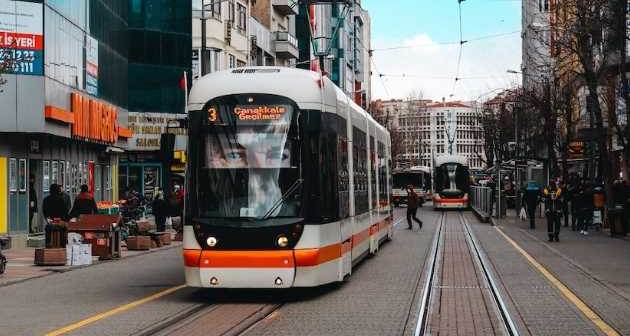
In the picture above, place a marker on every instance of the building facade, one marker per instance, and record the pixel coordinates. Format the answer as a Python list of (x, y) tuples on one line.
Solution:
[(424, 129), (160, 38), (220, 37), (64, 103), (272, 33), (536, 42), (336, 37)]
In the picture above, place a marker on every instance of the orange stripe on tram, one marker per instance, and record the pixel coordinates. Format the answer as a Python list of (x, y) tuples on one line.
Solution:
[(247, 259), (317, 256)]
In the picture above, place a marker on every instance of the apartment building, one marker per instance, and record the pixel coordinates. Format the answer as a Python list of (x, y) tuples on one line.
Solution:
[(220, 37), (339, 34), (536, 41), (426, 129), (272, 33)]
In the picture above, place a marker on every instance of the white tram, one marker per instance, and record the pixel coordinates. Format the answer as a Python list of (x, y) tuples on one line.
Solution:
[(287, 181), (451, 182)]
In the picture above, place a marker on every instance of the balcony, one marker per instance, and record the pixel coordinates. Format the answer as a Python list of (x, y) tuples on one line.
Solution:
[(286, 45), (285, 7)]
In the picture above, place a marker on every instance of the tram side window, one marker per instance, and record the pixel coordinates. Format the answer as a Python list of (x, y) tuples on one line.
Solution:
[(343, 176), (382, 173), (360, 171), (327, 166), (373, 172)]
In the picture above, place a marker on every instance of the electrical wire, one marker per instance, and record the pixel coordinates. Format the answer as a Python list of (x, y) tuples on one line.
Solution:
[(479, 38)]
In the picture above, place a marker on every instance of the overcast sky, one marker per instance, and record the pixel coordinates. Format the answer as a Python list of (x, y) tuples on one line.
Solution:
[(431, 66)]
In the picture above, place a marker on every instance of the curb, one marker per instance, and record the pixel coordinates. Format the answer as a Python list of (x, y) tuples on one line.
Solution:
[(100, 262)]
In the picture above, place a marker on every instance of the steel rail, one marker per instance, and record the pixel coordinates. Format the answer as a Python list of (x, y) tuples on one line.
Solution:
[(509, 324), (425, 299)]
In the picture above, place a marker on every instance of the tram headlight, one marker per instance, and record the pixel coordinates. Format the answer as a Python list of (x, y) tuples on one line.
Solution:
[(282, 241), (211, 241)]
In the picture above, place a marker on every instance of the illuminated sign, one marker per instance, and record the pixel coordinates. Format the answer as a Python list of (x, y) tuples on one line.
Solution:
[(251, 113), (94, 120), (21, 37)]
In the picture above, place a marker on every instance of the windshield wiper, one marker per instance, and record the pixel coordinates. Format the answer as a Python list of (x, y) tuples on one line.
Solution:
[(279, 202)]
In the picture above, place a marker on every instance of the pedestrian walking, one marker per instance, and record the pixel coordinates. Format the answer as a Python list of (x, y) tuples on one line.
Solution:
[(553, 210), (531, 199), (413, 201), (32, 205), (84, 204), (160, 211), (566, 199), (585, 207), (574, 188), (54, 205)]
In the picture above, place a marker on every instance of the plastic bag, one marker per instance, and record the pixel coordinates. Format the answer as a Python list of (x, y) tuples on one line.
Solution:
[(523, 214)]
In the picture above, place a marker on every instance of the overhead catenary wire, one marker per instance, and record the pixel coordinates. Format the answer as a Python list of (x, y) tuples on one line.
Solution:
[(461, 47)]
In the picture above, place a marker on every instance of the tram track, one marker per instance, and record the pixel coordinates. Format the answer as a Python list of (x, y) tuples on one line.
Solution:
[(210, 320), (444, 277)]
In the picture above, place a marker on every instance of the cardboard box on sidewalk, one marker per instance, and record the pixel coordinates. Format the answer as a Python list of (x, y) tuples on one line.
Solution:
[(138, 243), (50, 257), (79, 254)]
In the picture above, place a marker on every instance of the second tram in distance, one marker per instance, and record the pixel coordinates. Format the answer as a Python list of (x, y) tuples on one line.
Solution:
[(288, 181), (451, 180)]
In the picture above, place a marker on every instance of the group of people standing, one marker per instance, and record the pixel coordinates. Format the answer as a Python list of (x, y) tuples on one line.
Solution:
[(58, 205), (573, 201)]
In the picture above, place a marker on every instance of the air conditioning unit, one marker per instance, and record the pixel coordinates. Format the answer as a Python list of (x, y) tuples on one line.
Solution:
[(228, 31)]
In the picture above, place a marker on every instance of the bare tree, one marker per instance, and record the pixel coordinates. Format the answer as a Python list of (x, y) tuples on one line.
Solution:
[(584, 43)]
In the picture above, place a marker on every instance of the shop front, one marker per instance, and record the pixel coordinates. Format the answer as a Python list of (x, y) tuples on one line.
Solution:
[(141, 166)]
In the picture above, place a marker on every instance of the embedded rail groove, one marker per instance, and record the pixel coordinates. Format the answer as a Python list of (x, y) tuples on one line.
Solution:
[(479, 263)]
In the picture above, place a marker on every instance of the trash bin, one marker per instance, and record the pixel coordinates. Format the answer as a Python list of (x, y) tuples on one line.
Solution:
[(616, 221)]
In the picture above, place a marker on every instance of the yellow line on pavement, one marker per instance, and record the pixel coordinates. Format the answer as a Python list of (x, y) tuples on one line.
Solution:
[(112, 312), (577, 302)]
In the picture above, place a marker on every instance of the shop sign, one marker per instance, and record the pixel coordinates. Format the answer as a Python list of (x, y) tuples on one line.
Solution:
[(94, 120), (91, 65), (21, 37), (148, 127)]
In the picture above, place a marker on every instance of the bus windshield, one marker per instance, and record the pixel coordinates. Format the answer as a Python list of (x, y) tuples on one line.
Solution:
[(249, 163), (402, 180)]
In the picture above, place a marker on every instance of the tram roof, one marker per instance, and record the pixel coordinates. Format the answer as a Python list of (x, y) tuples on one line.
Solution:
[(301, 86), (442, 159)]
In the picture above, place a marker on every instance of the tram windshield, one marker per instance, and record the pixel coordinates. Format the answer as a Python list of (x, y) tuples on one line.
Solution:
[(249, 163)]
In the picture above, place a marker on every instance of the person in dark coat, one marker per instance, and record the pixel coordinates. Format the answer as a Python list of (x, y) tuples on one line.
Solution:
[(54, 205), (84, 204), (531, 199), (413, 201), (585, 207), (553, 210), (160, 211)]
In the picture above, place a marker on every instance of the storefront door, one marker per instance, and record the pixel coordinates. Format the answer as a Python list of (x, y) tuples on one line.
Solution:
[(35, 171), (18, 196)]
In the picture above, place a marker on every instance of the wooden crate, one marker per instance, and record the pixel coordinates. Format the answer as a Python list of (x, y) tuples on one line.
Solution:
[(50, 257), (179, 236), (143, 225), (138, 243), (165, 238)]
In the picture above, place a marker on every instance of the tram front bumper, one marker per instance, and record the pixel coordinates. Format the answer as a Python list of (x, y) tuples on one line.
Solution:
[(240, 269)]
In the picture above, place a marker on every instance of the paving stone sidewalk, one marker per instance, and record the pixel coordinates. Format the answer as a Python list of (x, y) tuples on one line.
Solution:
[(20, 266), (595, 267)]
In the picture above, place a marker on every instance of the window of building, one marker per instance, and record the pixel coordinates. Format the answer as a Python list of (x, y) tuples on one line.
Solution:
[(62, 174), (46, 176), (232, 61), (54, 172), (241, 25), (13, 175), (231, 11)]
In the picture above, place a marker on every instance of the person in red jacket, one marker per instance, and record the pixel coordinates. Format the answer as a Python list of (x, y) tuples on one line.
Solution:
[(84, 204)]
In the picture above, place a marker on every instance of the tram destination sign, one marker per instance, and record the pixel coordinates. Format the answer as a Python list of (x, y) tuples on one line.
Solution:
[(260, 113)]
